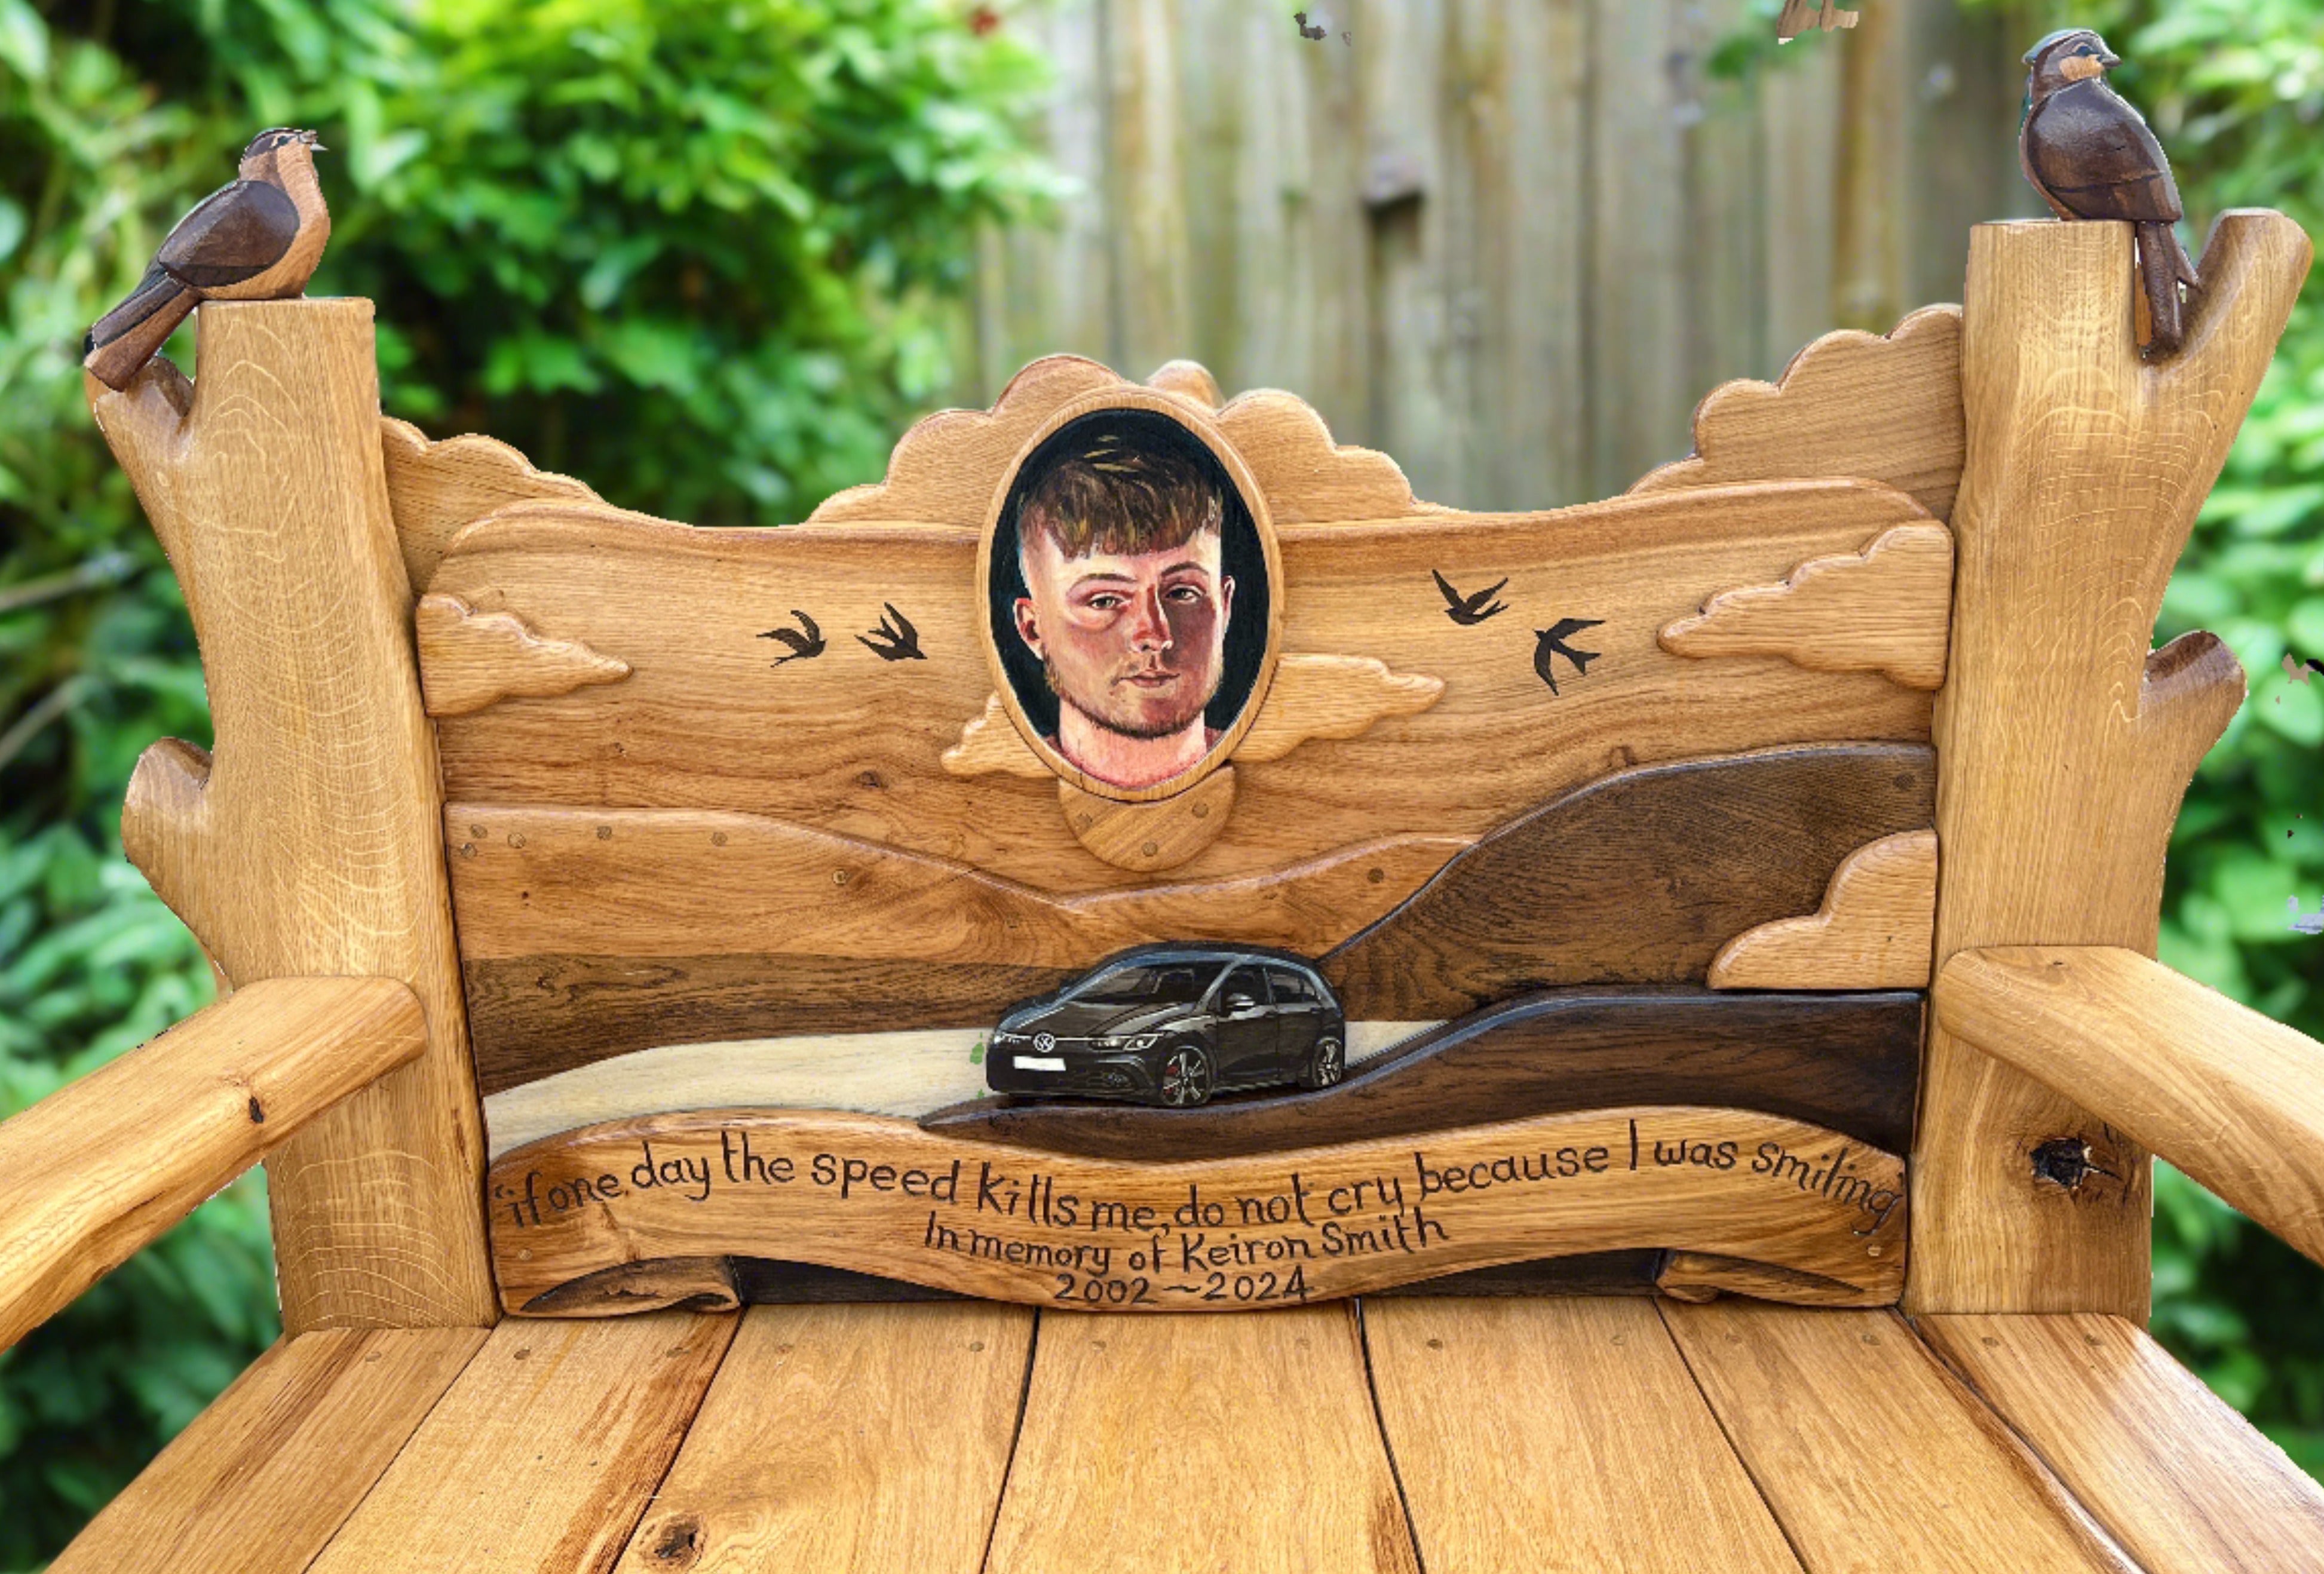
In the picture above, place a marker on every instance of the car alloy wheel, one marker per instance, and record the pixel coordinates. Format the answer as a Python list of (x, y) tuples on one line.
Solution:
[(1331, 1062), (1186, 1077)]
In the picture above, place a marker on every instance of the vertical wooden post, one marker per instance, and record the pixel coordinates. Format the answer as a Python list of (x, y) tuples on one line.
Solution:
[(2063, 745), (313, 844)]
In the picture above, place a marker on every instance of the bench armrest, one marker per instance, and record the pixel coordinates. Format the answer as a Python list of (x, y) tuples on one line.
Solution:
[(103, 1165), (2232, 1098)]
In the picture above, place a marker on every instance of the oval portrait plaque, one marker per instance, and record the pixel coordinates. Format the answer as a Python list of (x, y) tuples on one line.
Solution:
[(1134, 595)]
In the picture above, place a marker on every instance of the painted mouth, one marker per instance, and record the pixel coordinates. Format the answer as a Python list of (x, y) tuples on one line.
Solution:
[(1150, 680)]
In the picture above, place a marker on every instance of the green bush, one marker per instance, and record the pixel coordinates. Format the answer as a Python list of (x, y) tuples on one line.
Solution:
[(697, 253)]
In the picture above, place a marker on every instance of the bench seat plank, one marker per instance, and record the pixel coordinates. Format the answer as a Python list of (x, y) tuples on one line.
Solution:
[(1560, 1433), (872, 1438), (2184, 1483), (266, 1474), (1872, 1455), (1184, 1442), (542, 1455)]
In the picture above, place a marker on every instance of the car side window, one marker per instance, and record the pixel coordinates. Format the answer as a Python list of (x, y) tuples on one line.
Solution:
[(1289, 987), (1244, 980)]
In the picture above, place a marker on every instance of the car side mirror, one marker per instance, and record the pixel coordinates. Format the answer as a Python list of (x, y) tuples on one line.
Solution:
[(1240, 1003)]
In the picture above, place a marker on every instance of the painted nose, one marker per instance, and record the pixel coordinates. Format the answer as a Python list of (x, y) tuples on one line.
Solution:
[(1150, 629)]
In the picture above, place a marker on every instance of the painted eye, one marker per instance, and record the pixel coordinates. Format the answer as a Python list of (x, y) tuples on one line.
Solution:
[(1104, 602)]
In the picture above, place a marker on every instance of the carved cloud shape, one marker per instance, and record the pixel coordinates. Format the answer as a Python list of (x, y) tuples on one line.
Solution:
[(470, 659), (1886, 609)]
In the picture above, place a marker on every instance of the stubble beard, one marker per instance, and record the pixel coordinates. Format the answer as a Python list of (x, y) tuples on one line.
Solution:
[(1129, 723)]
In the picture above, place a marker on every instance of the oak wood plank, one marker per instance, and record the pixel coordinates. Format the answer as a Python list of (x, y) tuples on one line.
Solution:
[(2064, 747), (872, 1438), (544, 1452), (106, 1163), (1871, 1454), (689, 728), (309, 846), (879, 1195), (2184, 1483), (1561, 1433), (2231, 1097), (1167, 1444), (269, 1472)]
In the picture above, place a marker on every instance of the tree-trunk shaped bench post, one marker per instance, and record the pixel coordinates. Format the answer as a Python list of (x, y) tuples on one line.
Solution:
[(311, 845), (2064, 746)]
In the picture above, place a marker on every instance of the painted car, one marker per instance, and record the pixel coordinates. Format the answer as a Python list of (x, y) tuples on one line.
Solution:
[(1172, 1025)]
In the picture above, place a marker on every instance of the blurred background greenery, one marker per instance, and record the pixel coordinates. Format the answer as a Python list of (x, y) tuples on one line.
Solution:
[(710, 257)]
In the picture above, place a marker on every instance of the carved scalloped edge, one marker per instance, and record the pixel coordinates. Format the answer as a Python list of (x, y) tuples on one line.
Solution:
[(1841, 399), (436, 488), (1887, 609), (1876, 928), (944, 469)]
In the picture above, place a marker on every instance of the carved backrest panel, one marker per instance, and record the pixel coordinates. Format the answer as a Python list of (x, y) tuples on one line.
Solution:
[(1461, 833)]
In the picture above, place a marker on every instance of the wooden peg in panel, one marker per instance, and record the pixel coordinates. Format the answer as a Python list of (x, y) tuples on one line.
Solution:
[(1150, 837)]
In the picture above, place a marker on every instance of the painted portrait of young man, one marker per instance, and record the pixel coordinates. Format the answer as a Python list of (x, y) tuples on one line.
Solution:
[(1125, 595)]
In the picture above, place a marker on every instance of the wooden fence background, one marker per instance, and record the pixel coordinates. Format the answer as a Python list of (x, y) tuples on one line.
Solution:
[(1510, 241)]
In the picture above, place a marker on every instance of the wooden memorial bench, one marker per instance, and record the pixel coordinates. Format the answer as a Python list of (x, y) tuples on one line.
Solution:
[(1638, 1044)]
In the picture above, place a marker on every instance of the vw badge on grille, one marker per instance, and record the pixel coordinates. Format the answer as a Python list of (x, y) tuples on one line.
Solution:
[(1045, 1042)]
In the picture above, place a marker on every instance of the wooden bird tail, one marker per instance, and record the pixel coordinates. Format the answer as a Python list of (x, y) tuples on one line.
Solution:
[(134, 332), (2161, 263)]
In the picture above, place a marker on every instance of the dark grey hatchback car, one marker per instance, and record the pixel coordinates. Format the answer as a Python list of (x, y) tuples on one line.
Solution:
[(1172, 1024)]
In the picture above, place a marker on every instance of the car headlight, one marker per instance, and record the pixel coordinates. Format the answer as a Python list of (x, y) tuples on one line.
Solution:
[(1143, 1041)]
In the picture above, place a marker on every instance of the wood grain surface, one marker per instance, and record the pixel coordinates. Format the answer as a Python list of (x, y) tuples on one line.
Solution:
[(469, 659), (107, 1163), (270, 1468), (2186, 1484), (1849, 1063), (1559, 1435), (1873, 931), (1640, 877), (1884, 610), (1871, 1454), (2064, 746), (705, 722), (542, 1454), (433, 488), (1263, 1418), (1848, 404), (869, 1438), (2231, 1097), (307, 848), (879, 1195), (594, 933)]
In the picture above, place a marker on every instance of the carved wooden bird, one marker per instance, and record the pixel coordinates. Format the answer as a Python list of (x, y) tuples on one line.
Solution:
[(2090, 155), (258, 239)]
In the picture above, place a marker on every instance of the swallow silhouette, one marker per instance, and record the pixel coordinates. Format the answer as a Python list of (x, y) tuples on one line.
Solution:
[(898, 643), (1552, 644), (1469, 610), (804, 647), (1304, 31)]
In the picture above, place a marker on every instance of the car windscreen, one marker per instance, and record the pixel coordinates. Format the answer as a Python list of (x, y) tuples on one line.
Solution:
[(1170, 984)]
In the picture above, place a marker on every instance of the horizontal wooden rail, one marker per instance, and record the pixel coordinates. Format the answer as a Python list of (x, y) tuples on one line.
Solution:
[(100, 1167), (2235, 1099)]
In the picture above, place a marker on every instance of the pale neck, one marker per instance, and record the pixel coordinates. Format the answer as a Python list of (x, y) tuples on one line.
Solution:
[(1130, 762)]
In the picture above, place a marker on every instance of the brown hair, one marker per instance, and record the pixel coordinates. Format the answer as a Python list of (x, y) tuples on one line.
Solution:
[(1110, 495)]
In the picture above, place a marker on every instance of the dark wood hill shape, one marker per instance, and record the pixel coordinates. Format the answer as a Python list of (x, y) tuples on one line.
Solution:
[(1637, 877), (1848, 1062)]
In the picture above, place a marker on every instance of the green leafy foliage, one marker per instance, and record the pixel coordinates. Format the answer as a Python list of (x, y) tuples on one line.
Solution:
[(696, 251)]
